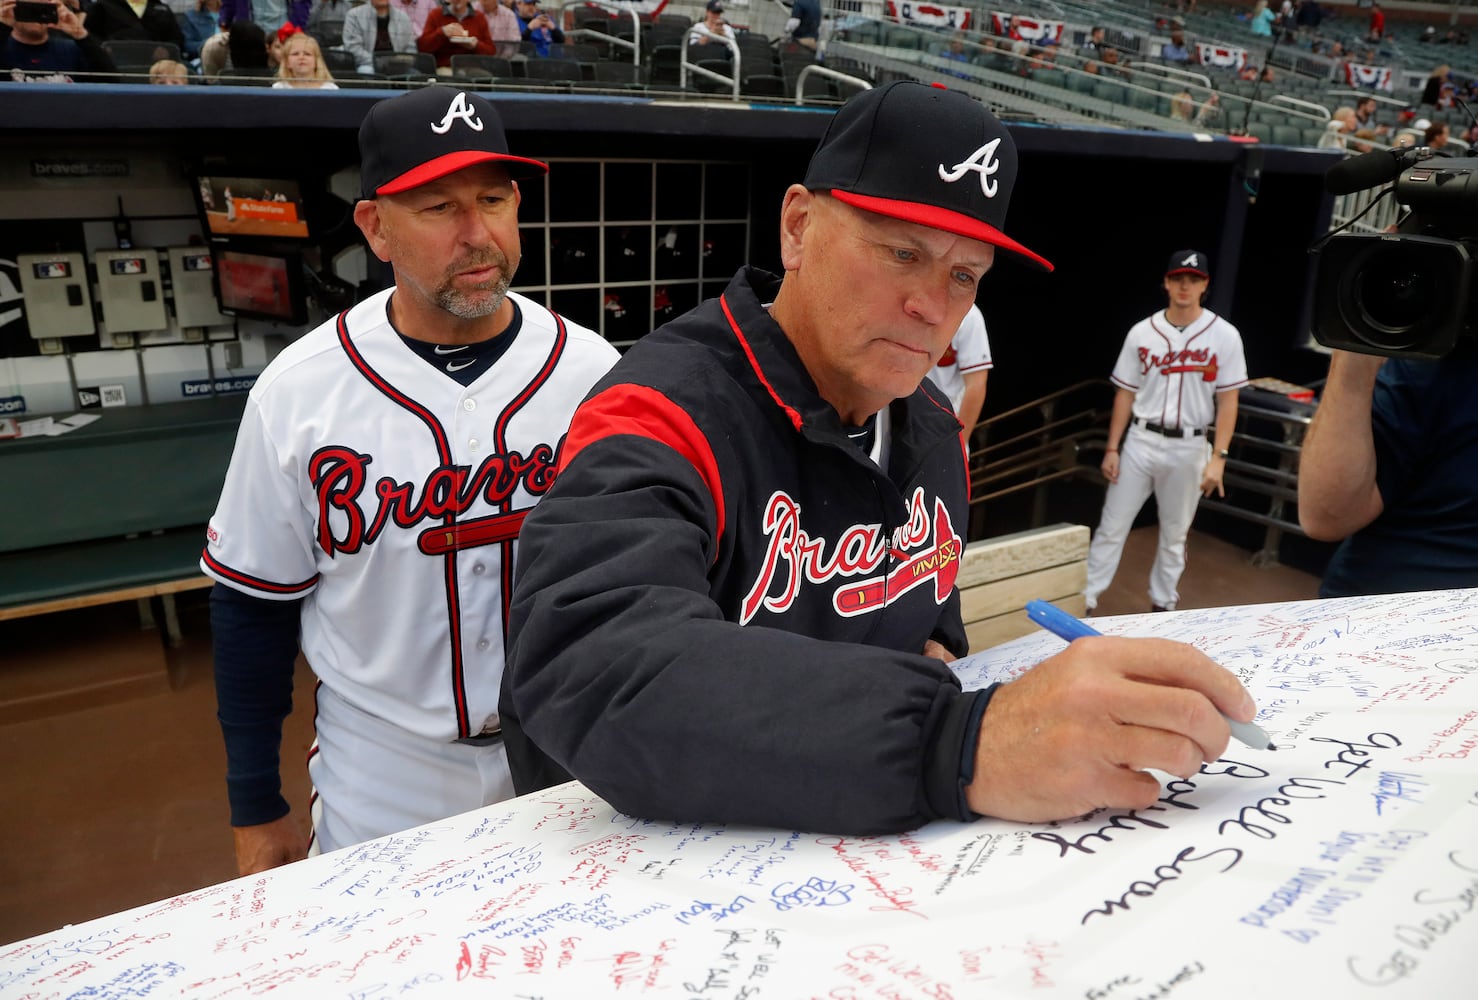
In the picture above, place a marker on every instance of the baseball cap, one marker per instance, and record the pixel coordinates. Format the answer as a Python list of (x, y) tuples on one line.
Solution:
[(922, 154), (425, 134), (714, 7), (1188, 262)]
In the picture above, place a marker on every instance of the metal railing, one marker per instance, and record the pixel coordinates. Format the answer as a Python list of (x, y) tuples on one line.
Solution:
[(1045, 441)]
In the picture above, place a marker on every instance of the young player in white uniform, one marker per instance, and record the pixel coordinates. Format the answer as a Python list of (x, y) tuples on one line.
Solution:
[(1178, 369), (382, 470), (962, 371)]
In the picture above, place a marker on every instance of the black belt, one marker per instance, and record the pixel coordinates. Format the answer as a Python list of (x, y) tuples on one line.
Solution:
[(482, 739), (1170, 432)]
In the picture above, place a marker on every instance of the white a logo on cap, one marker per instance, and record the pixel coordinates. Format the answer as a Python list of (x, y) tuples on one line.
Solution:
[(459, 108), (1192, 261), (982, 161)]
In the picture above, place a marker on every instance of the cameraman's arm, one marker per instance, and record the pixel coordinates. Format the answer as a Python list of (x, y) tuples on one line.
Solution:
[(1337, 493)]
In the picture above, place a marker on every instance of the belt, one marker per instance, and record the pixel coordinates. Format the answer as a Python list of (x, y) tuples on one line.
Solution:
[(1170, 432), (482, 739)]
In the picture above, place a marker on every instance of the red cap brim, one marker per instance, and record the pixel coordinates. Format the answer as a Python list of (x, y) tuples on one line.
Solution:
[(1187, 270), (940, 218), (431, 170)]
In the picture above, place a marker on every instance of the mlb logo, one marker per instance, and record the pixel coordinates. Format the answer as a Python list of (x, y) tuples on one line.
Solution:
[(51, 269)]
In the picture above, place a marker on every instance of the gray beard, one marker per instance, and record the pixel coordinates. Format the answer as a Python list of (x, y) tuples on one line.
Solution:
[(476, 304)]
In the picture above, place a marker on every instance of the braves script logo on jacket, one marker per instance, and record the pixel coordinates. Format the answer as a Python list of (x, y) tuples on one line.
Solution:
[(339, 475), (928, 548), (1198, 362)]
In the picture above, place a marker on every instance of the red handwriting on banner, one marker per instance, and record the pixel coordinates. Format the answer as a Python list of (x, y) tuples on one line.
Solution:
[(868, 858), (639, 969)]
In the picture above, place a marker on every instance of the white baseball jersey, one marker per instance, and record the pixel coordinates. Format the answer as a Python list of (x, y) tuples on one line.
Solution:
[(1176, 374), (969, 351), (390, 496)]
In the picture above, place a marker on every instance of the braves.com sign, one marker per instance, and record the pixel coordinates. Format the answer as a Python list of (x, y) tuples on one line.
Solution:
[(1027, 29), (1368, 77), (931, 15), (1221, 55)]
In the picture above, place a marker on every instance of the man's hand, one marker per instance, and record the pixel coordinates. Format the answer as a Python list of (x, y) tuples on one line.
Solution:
[(453, 30), (1110, 466), (7, 13), (1076, 732), (1211, 477), (269, 845), (69, 22), (937, 650)]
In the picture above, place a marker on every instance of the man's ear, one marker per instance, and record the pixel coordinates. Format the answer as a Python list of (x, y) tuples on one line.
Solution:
[(796, 214), (367, 218)]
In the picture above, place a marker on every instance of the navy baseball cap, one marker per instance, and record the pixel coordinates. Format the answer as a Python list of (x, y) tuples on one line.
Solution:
[(922, 154), (425, 134), (1188, 262)]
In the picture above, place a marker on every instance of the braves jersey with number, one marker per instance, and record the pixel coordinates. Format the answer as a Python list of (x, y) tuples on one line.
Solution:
[(969, 351), (1176, 374), (724, 596), (390, 497)]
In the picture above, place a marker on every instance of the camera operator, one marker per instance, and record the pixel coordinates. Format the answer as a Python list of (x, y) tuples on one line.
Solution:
[(1390, 466), (37, 46)]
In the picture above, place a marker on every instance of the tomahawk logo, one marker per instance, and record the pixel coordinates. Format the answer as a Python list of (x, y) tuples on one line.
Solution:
[(983, 161), (925, 549), (1194, 260), (459, 108)]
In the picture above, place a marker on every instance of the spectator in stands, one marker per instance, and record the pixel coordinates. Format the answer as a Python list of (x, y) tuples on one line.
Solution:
[(40, 53), (1435, 137), (1308, 15), (1377, 30), (199, 24), (459, 20), (1433, 87), (538, 27), (169, 73), (302, 66), (1364, 112), (1175, 50), (1428, 35), (1388, 466), (1446, 97), (152, 20), (956, 52), (418, 11), (377, 26), (713, 23), (1261, 21), (1110, 65), (1267, 75), (1183, 108), (267, 13), (504, 27), (326, 21), (1093, 45), (1247, 73), (804, 25)]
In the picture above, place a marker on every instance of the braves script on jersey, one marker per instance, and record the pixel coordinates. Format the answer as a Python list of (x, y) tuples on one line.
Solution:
[(391, 496), (1176, 374)]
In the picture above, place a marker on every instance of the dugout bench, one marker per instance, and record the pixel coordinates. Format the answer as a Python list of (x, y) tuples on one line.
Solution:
[(113, 511)]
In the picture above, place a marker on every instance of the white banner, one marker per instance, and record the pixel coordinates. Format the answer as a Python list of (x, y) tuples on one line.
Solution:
[(1221, 55), (1027, 29), (1369, 77), (931, 14)]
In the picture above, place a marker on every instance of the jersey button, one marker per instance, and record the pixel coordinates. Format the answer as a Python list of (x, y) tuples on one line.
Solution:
[(472, 443), (478, 569), (483, 644), (469, 405)]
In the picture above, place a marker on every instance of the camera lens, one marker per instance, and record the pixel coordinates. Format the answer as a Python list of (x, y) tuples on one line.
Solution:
[(1395, 296)]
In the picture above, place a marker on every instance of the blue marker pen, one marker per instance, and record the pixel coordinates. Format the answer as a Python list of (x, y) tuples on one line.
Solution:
[(1068, 628)]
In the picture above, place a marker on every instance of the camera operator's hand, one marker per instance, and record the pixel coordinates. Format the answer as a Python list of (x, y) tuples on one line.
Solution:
[(7, 13)]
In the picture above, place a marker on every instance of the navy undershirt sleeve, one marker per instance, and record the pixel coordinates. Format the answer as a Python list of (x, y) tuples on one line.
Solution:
[(949, 766), (256, 644)]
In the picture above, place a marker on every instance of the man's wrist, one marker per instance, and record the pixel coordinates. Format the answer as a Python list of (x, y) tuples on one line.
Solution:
[(1110, 451)]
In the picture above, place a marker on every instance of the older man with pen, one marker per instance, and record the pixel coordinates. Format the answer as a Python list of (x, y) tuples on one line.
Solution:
[(735, 603)]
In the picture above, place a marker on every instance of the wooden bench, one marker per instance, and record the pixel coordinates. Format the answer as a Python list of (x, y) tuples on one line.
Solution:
[(113, 511), (999, 575)]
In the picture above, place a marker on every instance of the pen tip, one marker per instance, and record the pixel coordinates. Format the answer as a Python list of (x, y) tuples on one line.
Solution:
[(1272, 747)]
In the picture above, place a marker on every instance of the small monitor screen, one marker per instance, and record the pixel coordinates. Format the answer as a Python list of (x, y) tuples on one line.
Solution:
[(261, 285), (247, 206)]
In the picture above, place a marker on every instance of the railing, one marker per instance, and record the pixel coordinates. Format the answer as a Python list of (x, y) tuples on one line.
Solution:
[(613, 40), (830, 74), (685, 67), (1044, 441)]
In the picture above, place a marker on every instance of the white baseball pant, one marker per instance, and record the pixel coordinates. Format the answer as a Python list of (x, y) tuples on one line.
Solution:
[(1171, 469), (371, 777)]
